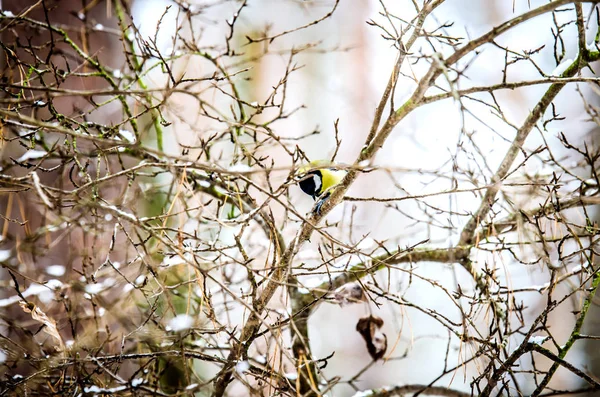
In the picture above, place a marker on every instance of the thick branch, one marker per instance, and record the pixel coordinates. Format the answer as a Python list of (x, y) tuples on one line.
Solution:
[(356, 272), (420, 389), (509, 86)]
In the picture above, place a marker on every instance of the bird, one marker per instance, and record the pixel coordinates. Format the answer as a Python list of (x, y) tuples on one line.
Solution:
[(317, 179)]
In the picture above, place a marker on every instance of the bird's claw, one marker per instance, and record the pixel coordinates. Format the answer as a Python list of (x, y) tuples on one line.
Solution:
[(320, 203)]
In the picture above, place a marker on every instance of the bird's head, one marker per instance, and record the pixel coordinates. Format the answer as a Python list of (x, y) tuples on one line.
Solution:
[(310, 178)]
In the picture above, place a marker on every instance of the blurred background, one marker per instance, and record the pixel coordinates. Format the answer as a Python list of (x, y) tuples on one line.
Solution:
[(343, 64)]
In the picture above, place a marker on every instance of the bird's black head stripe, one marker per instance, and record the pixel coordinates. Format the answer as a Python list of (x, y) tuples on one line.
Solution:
[(308, 184)]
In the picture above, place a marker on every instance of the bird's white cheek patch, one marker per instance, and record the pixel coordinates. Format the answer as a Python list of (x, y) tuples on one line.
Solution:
[(317, 181)]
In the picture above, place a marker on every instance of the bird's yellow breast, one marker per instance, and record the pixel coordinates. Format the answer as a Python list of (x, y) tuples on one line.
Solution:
[(330, 178)]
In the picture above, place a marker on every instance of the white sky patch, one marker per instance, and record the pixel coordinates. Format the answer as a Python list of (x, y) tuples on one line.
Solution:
[(4, 255), (56, 270), (94, 288), (306, 254), (239, 168), (366, 244), (312, 282), (352, 260), (577, 269), (365, 393), (172, 261), (181, 322), (261, 359), (45, 292), (96, 389), (192, 225), (137, 381), (242, 367), (147, 17), (127, 135)]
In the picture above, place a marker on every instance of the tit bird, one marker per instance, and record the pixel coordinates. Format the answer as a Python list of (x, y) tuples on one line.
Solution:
[(317, 180)]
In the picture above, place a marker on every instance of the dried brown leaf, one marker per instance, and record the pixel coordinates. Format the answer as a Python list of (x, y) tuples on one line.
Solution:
[(370, 329), (50, 327)]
